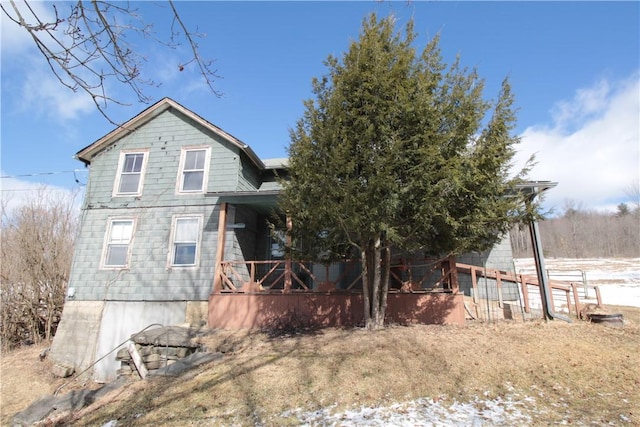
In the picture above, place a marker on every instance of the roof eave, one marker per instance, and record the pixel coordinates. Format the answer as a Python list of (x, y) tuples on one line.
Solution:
[(86, 154)]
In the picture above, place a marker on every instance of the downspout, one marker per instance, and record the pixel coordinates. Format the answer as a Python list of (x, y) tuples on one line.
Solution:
[(543, 280)]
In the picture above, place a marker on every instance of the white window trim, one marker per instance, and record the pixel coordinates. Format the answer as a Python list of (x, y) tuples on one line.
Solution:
[(143, 169), (205, 177), (170, 255), (107, 240)]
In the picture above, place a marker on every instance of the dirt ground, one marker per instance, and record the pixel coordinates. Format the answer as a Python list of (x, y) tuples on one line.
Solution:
[(577, 373)]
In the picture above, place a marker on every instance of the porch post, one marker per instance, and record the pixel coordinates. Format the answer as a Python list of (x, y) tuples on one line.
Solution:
[(222, 231), (287, 261), (453, 278)]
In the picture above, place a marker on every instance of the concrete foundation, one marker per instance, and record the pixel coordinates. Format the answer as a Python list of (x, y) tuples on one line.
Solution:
[(74, 344), (92, 330), (123, 319)]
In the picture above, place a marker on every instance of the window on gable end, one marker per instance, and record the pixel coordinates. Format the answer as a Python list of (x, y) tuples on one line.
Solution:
[(118, 242), (131, 169), (185, 244), (193, 173)]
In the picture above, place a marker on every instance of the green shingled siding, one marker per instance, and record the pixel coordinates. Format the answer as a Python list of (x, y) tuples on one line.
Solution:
[(164, 137), (148, 277), (248, 177)]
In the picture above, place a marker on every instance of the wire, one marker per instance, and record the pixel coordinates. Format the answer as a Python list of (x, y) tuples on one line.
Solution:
[(75, 177), (19, 189), (42, 173), (74, 172)]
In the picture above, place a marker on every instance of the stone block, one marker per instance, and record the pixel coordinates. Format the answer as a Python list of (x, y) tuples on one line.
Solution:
[(156, 364), (167, 351), (173, 336), (154, 357), (146, 350), (123, 354), (183, 352), (62, 371)]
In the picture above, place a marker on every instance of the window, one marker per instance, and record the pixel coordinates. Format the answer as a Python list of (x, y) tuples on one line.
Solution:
[(119, 236), (130, 172), (194, 166), (184, 247), (277, 242)]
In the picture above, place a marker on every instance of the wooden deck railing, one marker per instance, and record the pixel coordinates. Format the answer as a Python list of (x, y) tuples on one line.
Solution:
[(427, 275), (281, 276), (290, 276), (569, 290)]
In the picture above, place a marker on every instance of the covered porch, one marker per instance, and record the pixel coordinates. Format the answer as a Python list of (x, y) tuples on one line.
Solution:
[(266, 288)]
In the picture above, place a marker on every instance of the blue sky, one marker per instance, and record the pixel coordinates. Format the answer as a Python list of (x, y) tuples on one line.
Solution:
[(574, 69)]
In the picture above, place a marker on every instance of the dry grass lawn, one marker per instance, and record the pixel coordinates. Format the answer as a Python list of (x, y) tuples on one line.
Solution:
[(577, 373)]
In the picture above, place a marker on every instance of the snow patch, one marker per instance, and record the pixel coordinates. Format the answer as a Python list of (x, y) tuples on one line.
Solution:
[(617, 278), (424, 412)]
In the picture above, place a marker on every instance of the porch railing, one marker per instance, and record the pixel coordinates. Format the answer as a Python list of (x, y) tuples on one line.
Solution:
[(346, 276), (529, 289), (414, 276), (282, 276)]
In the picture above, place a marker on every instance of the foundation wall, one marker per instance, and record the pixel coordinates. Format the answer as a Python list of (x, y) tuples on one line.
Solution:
[(237, 311)]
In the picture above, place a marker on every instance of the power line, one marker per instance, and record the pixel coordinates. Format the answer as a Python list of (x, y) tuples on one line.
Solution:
[(74, 172), (4, 190), (42, 173)]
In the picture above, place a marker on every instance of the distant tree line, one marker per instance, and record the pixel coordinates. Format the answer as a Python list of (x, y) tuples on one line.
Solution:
[(581, 233), (37, 249)]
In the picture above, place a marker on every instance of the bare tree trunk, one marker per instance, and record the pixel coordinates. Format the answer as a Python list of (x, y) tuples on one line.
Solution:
[(384, 289), (365, 285), (376, 267), (375, 303)]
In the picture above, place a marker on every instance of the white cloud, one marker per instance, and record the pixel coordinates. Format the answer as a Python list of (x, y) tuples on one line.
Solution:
[(587, 104), (593, 147), (34, 87), (43, 93), (16, 39), (16, 193)]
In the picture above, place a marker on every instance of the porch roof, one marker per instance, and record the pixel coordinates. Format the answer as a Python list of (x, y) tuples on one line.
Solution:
[(265, 201), (531, 189)]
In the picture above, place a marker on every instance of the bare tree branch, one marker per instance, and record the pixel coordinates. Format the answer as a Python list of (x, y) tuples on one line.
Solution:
[(204, 66), (632, 191), (89, 47)]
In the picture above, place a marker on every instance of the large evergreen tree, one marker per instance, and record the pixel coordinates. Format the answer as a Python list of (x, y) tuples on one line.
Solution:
[(397, 149)]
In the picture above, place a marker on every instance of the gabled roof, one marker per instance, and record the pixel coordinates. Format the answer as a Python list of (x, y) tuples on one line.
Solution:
[(86, 154)]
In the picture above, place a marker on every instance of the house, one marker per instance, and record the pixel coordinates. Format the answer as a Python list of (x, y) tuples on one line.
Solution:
[(174, 230)]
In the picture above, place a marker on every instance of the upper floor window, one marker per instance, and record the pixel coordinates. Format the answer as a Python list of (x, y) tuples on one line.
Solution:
[(118, 241), (130, 173), (185, 241), (194, 167)]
